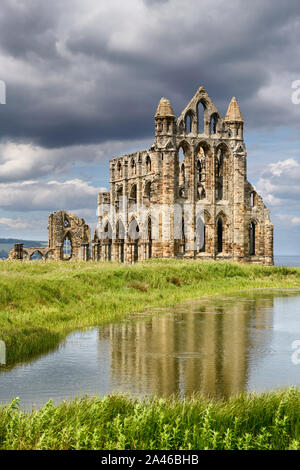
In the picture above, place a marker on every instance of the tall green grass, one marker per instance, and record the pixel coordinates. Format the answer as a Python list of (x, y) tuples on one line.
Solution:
[(268, 421), (40, 303)]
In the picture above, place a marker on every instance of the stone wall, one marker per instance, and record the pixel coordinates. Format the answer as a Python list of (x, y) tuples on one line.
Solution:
[(68, 238)]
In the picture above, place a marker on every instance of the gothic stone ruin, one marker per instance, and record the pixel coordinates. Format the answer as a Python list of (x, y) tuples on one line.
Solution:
[(68, 238), (188, 195)]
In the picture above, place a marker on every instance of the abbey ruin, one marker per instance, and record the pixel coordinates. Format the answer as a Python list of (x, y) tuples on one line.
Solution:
[(68, 238), (187, 196)]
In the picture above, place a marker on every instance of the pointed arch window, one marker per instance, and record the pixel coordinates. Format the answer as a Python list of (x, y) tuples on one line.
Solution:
[(134, 234), (252, 238), (219, 175), (133, 167), (201, 107), (120, 239), (148, 164), (107, 241), (147, 192), (213, 123), (67, 248), (36, 255), (199, 171), (200, 235), (119, 198), (183, 243), (220, 235), (149, 229), (188, 122), (133, 195), (182, 170), (119, 170)]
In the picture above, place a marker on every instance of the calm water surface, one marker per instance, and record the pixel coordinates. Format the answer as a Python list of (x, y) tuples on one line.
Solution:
[(219, 348)]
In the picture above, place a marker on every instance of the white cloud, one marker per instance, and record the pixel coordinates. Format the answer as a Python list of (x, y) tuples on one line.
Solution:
[(284, 167), (54, 195), (27, 161), (279, 184), (15, 223), (292, 219)]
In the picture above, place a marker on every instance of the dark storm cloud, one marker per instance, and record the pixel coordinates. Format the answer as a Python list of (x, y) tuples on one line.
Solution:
[(89, 72)]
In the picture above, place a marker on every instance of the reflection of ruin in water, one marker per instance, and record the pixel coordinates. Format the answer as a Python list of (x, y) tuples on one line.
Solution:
[(201, 347)]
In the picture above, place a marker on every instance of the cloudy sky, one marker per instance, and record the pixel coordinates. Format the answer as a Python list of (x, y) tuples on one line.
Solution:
[(84, 78)]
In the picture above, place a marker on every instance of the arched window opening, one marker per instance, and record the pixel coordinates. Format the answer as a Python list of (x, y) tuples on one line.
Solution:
[(182, 245), (147, 192), (107, 241), (188, 122), (133, 167), (252, 238), (220, 236), (133, 195), (120, 239), (201, 107), (182, 171), (36, 256), (149, 238), (213, 123), (119, 198), (219, 175), (184, 162), (49, 255), (201, 194), (181, 154), (199, 171), (107, 231), (253, 199), (67, 248), (200, 235), (133, 230), (200, 165), (120, 230), (148, 164), (134, 234), (181, 192), (119, 170)]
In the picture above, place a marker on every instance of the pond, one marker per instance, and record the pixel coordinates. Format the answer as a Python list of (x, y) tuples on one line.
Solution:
[(218, 347)]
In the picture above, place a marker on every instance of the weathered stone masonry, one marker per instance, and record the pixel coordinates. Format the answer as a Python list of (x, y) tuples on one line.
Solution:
[(187, 196), (197, 163), (68, 238)]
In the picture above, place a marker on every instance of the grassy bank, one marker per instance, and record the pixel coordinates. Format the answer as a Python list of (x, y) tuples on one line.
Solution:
[(267, 421), (40, 303)]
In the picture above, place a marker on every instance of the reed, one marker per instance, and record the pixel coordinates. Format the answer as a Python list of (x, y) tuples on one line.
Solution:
[(269, 421)]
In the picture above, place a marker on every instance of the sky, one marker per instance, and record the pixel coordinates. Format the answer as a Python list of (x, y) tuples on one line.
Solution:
[(84, 77)]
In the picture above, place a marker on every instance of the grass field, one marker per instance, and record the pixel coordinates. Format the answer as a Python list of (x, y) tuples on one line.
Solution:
[(263, 422), (40, 303)]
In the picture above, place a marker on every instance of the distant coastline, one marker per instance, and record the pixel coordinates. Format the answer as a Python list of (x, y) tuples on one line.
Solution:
[(287, 260)]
